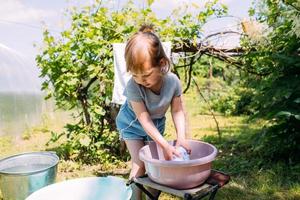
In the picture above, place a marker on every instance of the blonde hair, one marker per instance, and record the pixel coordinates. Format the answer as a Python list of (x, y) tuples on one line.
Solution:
[(144, 46)]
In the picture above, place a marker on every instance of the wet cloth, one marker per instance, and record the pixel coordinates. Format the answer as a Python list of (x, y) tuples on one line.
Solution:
[(129, 127), (183, 153), (121, 75)]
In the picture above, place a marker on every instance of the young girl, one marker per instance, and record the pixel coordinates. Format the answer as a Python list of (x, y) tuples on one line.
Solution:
[(150, 91)]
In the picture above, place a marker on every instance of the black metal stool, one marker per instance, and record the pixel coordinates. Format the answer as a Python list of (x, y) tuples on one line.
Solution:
[(215, 181)]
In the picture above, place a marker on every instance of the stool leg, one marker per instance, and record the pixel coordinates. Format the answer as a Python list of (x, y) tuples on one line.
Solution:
[(187, 197), (147, 192), (154, 197), (153, 191), (213, 194)]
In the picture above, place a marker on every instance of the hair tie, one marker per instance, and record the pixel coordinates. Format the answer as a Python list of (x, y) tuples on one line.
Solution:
[(147, 28)]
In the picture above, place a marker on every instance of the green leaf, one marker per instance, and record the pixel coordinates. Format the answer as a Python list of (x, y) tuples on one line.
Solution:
[(150, 2), (284, 113), (85, 141), (73, 81), (297, 100), (100, 111)]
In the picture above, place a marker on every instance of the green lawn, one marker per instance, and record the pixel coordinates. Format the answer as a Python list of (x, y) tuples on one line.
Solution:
[(250, 179)]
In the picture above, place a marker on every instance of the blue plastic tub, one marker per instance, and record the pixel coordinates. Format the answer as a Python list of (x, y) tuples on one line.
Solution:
[(91, 188)]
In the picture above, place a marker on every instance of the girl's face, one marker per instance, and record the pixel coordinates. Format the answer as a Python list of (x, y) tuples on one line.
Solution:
[(149, 77)]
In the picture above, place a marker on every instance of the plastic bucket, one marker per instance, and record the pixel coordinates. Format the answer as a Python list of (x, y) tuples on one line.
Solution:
[(22, 174), (90, 188), (179, 174)]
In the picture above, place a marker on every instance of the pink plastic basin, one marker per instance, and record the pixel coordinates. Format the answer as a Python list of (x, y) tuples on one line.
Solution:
[(179, 174)]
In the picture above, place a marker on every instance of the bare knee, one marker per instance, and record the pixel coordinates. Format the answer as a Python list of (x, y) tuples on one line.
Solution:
[(137, 169)]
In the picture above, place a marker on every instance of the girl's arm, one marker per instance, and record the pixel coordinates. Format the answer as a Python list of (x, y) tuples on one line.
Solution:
[(147, 123), (179, 122)]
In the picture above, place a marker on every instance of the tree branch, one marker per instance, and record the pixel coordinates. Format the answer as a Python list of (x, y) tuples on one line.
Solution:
[(221, 33), (225, 55), (291, 4), (210, 109)]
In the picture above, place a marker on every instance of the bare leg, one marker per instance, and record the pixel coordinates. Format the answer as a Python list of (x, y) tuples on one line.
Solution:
[(137, 166), (154, 192)]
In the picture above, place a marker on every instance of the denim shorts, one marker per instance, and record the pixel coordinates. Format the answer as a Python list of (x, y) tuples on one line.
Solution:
[(130, 128)]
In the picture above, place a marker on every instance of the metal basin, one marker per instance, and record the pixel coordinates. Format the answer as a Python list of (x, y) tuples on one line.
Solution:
[(22, 174), (179, 174), (91, 188)]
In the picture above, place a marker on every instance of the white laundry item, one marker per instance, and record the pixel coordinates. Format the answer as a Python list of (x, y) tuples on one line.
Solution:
[(121, 75), (184, 155)]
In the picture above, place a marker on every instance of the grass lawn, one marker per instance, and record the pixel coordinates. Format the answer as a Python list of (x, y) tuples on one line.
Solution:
[(248, 179)]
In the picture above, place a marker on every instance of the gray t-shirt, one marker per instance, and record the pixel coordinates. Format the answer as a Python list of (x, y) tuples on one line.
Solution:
[(156, 104)]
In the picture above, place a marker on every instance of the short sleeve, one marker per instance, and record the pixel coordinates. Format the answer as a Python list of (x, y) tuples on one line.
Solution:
[(178, 90), (133, 91)]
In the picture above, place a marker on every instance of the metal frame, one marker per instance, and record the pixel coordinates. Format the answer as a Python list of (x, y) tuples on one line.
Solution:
[(193, 194)]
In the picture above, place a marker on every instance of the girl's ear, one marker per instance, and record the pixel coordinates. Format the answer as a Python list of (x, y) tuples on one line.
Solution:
[(164, 68), (162, 62)]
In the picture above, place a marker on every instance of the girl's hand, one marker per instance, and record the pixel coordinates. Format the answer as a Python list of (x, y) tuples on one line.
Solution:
[(184, 143), (169, 151)]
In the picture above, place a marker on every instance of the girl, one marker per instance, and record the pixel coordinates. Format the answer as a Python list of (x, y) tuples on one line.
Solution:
[(150, 91)]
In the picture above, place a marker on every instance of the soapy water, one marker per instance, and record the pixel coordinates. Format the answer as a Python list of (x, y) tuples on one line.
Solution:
[(183, 155), (25, 168)]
